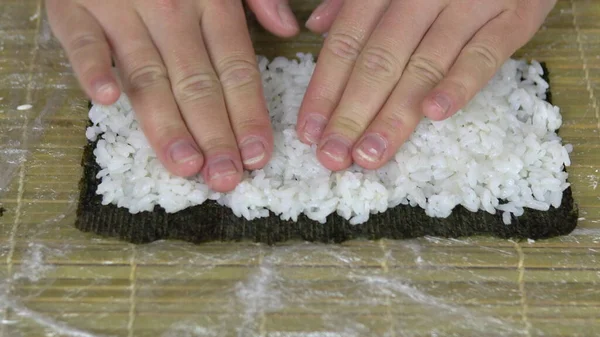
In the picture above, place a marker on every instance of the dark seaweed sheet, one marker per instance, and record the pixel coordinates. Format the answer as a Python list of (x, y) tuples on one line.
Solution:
[(212, 222)]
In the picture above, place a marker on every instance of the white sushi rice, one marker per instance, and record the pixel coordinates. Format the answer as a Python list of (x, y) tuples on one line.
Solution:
[(502, 146)]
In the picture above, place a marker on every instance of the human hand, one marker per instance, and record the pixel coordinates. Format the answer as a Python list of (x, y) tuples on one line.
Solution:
[(387, 63), (188, 67)]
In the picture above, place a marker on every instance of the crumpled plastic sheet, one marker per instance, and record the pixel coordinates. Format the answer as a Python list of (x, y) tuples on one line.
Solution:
[(369, 301), (265, 290), (371, 296)]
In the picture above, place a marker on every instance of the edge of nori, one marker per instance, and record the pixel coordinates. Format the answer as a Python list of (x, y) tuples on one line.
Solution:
[(212, 222), (2, 210)]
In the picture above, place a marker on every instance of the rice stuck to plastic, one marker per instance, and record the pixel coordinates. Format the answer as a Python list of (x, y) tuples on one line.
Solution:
[(500, 153)]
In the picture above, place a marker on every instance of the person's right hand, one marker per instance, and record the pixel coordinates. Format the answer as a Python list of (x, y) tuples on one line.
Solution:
[(188, 67)]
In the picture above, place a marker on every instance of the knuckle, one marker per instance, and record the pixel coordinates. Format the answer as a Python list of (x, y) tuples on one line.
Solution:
[(379, 62), (484, 54), (348, 125), (167, 6), (146, 76), (521, 19), (393, 122), (225, 6), (346, 46), (324, 97), (460, 88), (237, 73), (218, 143), (165, 131), (89, 70), (83, 42), (425, 70), (196, 86), (251, 125)]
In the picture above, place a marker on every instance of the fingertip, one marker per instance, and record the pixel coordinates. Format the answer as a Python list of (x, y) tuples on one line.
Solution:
[(323, 16), (289, 24), (366, 161), (276, 16), (222, 174), (437, 106), (366, 164), (316, 27), (332, 164), (189, 168), (371, 152), (256, 152), (278, 30), (184, 159), (106, 92), (224, 184), (311, 129), (300, 126), (334, 153), (286, 33), (305, 140)]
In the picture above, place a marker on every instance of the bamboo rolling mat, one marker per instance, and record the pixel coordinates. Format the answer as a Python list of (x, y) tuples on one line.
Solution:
[(57, 281)]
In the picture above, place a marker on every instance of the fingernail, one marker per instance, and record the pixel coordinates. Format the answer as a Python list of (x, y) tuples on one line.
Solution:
[(286, 16), (183, 151), (336, 148), (317, 13), (314, 128), (253, 151), (220, 168), (372, 148), (443, 103)]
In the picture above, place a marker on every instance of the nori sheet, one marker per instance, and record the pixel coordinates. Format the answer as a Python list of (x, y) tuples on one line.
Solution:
[(2, 210), (212, 222)]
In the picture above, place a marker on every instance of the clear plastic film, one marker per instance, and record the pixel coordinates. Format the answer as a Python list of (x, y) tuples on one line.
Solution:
[(57, 281)]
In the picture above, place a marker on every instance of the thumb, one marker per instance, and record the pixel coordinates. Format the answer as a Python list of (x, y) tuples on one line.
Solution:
[(275, 16)]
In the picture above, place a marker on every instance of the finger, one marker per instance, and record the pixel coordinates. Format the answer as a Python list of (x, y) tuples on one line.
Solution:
[(230, 49), (145, 80), (197, 90), (430, 62), (476, 65), (345, 41), (322, 18), (376, 73), (87, 49), (276, 16)]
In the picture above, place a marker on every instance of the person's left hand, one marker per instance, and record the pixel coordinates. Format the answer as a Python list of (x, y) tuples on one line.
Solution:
[(387, 63)]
